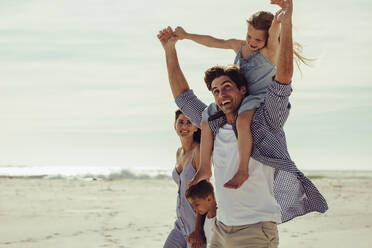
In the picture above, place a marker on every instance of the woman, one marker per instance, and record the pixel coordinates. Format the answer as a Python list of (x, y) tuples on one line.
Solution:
[(188, 156)]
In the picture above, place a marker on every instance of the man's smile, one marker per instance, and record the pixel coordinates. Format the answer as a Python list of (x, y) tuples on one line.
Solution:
[(225, 102)]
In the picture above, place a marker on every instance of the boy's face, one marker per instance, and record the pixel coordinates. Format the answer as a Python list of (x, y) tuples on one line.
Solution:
[(201, 205)]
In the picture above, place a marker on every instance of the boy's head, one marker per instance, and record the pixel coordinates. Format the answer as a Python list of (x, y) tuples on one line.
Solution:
[(201, 196)]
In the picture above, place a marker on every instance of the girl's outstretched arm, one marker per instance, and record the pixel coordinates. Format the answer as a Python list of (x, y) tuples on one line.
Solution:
[(207, 40), (273, 41)]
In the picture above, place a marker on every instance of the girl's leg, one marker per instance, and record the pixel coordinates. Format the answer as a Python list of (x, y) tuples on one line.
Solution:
[(243, 126)]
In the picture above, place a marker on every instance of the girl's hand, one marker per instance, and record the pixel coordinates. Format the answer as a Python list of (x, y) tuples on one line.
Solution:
[(285, 13), (180, 33), (280, 3)]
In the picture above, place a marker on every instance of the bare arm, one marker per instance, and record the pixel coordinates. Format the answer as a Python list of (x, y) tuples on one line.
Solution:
[(196, 158), (205, 170), (284, 70), (274, 31), (272, 47), (277, 105), (207, 40), (206, 146), (243, 126), (197, 237), (176, 78), (189, 104)]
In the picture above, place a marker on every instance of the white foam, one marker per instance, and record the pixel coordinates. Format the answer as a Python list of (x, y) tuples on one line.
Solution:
[(81, 172)]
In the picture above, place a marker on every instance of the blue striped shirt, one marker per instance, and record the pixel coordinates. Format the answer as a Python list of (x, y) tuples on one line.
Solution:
[(294, 192)]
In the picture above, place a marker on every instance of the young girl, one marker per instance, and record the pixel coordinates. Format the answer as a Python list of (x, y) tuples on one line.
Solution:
[(256, 57)]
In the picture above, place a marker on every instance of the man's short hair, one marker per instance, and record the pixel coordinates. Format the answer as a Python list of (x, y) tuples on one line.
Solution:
[(200, 190), (232, 71)]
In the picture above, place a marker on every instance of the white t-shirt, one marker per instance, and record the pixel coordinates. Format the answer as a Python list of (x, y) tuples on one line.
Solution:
[(254, 201), (208, 223)]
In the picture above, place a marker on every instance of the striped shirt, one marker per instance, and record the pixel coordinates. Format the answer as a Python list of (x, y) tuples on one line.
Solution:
[(293, 191)]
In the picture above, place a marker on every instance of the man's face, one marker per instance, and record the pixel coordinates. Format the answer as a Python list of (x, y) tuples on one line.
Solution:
[(227, 95)]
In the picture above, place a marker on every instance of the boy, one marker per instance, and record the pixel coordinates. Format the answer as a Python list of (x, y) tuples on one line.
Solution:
[(201, 197)]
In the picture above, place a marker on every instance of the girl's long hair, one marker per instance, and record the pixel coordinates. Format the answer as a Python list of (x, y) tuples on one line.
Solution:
[(262, 20)]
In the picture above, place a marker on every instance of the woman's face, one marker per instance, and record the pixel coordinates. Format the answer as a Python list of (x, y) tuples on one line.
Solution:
[(184, 127), (256, 39)]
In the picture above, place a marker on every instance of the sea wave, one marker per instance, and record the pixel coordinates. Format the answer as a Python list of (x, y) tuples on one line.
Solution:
[(83, 173), (116, 173)]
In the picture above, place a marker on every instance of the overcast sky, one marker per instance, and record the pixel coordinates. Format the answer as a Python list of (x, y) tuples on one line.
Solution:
[(84, 82)]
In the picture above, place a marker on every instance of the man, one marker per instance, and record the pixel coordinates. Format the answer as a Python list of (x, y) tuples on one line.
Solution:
[(276, 190)]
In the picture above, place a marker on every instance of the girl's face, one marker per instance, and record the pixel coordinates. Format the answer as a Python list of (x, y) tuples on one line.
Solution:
[(256, 39), (184, 127)]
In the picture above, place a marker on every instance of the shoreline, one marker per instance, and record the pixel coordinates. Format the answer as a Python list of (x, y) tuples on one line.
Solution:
[(118, 173)]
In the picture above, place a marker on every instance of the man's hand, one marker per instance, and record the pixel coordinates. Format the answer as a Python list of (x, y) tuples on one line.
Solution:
[(167, 38), (285, 13), (280, 3), (180, 33), (196, 239)]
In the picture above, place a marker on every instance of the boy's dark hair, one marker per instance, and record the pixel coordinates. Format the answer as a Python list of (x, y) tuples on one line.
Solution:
[(232, 71), (200, 190)]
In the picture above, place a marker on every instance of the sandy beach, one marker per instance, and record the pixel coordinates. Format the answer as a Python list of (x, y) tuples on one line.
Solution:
[(126, 213)]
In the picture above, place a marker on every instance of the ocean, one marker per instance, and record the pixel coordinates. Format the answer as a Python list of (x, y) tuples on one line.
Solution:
[(88, 173)]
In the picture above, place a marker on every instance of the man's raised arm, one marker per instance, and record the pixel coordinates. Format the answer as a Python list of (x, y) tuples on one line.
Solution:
[(284, 66), (177, 80), (188, 103), (277, 105)]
